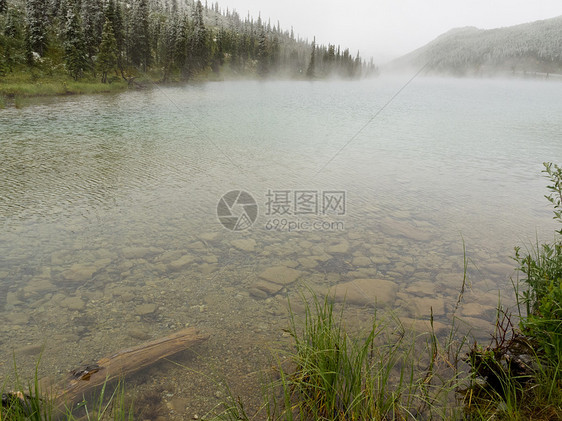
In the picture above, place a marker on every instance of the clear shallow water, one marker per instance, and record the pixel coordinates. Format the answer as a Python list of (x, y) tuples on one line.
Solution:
[(109, 234)]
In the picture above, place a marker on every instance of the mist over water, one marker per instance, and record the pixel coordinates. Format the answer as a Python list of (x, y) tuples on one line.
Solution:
[(108, 205)]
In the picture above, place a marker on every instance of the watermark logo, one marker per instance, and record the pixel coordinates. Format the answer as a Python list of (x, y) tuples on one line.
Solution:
[(286, 210), (237, 210), (305, 202)]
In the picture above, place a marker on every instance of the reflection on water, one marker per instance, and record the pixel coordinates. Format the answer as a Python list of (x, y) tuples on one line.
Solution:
[(108, 209)]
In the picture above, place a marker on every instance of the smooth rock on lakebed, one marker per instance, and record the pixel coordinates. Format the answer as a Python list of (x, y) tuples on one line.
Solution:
[(365, 292), (272, 280)]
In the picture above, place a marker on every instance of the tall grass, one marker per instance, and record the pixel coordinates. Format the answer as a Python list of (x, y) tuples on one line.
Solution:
[(519, 374), (102, 407), (26, 402), (29, 402), (385, 373)]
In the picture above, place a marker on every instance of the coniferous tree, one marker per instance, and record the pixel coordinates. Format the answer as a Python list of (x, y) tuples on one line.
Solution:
[(113, 13), (168, 47), (140, 54), (36, 27), (10, 41), (263, 55), (107, 56), (12, 26), (174, 37), (312, 64), (219, 43), (199, 46), (92, 25), (181, 46), (75, 54)]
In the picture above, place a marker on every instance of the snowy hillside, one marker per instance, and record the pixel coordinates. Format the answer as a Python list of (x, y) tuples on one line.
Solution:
[(534, 47)]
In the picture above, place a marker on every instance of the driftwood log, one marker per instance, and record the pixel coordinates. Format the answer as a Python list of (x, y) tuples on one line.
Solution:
[(84, 379)]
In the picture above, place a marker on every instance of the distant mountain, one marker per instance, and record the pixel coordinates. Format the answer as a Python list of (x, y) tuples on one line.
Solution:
[(534, 47)]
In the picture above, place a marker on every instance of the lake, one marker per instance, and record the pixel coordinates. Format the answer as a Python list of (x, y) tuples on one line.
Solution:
[(110, 205)]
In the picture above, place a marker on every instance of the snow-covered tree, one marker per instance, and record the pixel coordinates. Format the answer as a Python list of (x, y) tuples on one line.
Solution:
[(107, 55), (263, 55), (92, 25), (139, 47), (36, 26), (75, 54), (312, 65), (199, 46)]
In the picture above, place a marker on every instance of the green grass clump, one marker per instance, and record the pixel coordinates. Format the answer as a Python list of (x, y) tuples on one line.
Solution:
[(31, 403), (338, 377), (519, 375), (542, 268), (386, 373)]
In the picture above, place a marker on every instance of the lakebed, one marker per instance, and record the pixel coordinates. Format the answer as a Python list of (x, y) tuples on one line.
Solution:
[(110, 234)]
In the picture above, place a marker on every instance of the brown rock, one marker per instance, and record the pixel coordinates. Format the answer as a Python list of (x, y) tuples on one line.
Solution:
[(73, 303), (421, 288), (79, 273), (32, 349), (18, 318), (181, 263), (450, 278), (136, 252), (362, 261), (307, 262), (269, 288), (405, 229), (478, 310), (138, 333), (367, 291), (244, 244), (503, 269), (258, 293), (280, 275), (144, 309), (209, 236), (425, 305), (423, 326), (340, 248)]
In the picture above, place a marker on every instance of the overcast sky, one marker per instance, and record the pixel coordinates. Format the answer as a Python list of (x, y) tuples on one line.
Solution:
[(389, 28)]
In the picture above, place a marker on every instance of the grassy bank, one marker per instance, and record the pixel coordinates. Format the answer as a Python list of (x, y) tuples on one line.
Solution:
[(29, 84), (16, 87)]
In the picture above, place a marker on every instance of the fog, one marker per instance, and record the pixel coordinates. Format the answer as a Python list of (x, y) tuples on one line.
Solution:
[(385, 29)]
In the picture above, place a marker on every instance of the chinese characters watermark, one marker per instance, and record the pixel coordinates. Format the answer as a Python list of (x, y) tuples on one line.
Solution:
[(286, 210)]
